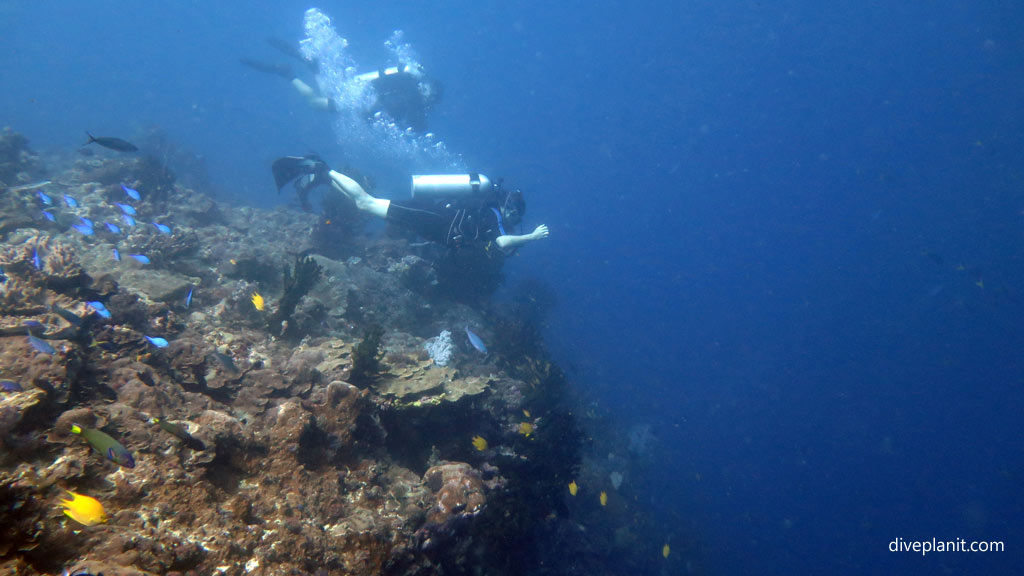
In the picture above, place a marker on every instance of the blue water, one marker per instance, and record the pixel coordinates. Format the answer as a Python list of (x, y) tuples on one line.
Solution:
[(786, 235)]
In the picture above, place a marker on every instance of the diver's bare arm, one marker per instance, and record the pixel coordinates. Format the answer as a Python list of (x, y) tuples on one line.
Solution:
[(509, 241)]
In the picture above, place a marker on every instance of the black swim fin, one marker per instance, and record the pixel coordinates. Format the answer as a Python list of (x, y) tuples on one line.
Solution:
[(305, 171), (282, 70)]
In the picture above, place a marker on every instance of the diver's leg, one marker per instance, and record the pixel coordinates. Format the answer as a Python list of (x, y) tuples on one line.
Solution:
[(315, 100), (349, 187)]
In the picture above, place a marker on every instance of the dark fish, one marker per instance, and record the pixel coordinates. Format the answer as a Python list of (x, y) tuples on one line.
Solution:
[(106, 445), (112, 143), (10, 386), (179, 433), (226, 361), (71, 317), (40, 345)]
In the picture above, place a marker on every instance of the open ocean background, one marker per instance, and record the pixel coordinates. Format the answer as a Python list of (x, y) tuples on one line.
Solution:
[(788, 236)]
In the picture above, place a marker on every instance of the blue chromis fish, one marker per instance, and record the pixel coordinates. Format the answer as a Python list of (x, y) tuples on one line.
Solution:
[(99, 308), (126, 208), (188, 298), (71, 202), (114, 228), (128, 220), (10, 386), (35, 259), (180, 433), (476, 341), (157, 341), (49, 216), (85, 230), (162, 228), (105, 445), (117, 255), (141, 258), (133, 194), (40, 344), (45, 199)]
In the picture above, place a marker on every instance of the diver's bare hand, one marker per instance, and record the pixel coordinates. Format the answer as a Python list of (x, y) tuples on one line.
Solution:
[(539, 232)]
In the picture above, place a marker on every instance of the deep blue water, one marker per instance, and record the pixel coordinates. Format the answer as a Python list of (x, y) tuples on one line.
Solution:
[(786, 235)]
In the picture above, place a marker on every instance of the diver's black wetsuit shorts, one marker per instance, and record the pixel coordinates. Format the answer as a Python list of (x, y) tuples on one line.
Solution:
[(452, 227)]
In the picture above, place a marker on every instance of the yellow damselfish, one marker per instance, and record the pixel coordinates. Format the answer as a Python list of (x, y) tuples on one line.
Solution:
[(84, 510), (665, 550), (604, 498), (573, 488), (525, 428), (257, 301), (479, 443)]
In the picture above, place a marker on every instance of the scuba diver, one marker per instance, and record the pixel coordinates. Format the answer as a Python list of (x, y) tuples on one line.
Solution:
[(403, 92), (472, 211)]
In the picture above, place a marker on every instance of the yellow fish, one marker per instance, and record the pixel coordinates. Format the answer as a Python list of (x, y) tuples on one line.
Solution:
[(257, 301), (479, 443), (526, 413), (604, 498), (525, 428), (84, 510), (665, 550), (573, 488)]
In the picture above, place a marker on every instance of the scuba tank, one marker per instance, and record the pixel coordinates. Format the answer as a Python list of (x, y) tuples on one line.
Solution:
[(460, 186)]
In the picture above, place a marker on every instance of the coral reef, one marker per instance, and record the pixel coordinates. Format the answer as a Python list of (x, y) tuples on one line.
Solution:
[(306, 457)]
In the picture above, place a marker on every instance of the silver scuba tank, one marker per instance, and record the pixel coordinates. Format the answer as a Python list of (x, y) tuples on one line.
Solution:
[(450, 185)]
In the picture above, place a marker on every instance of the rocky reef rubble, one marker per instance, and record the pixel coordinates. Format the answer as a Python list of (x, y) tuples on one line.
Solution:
[(305, 469)]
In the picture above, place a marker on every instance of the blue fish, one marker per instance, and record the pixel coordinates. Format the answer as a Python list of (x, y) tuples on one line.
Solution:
[(86, 230), (114, 228), (188, 299), (71, 202), (117, 255), (128, 220), (99, 308), (133, 194), (35, 259), (49, 216), (3, 278), (476, 341), (156, 341), (10, 386), (141, 258), (162, 228), (46, 199), (126, 208), (86, 221), (40, 345)]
